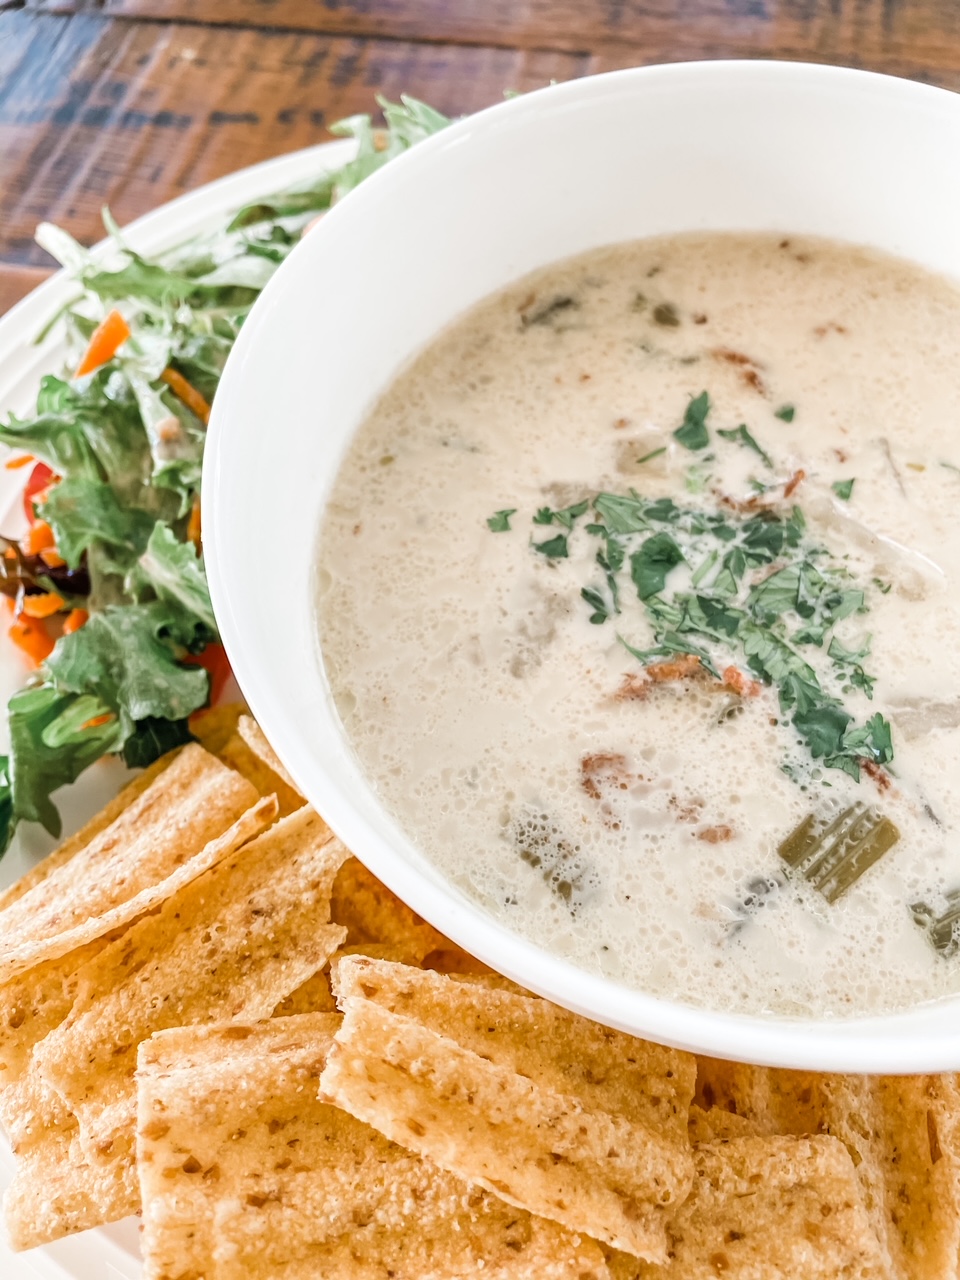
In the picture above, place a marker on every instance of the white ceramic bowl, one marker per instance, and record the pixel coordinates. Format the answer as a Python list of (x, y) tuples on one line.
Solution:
[(717, 146)]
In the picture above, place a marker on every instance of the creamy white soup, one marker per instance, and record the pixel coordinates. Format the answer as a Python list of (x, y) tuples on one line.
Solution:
[(639, 596)]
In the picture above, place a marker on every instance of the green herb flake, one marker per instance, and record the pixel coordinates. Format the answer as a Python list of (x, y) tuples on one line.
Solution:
[(843, 488), (553, 548), (652, 562), (785, 413), (597, 603), (499, 522), (741, 435), (692, 433), (654, 453)]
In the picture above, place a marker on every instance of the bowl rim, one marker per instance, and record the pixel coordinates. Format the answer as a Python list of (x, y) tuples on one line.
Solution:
[(877, 1044)]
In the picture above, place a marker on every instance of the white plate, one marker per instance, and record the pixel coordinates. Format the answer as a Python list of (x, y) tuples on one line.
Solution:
[(106, 1251)]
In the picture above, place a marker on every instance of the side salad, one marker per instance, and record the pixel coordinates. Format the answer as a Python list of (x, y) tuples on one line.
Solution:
[(106, 591)]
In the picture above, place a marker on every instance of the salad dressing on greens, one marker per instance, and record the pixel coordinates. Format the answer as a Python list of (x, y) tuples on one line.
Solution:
[(638, 595)]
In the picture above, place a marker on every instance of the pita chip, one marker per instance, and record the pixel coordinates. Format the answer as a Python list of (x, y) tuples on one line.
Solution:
[(169, 833), (551, 1112), (902, 1132), (775, 1208), (372, 914), (231, 944), (246, 1174)]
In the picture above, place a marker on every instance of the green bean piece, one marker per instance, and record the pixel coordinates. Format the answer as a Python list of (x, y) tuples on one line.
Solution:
[(832, 856), (942, 930)]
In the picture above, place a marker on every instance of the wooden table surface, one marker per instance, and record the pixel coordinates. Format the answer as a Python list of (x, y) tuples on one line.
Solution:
[(132, 102)]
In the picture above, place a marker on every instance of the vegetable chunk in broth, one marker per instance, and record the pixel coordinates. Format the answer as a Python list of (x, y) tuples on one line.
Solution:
[(638, 593)]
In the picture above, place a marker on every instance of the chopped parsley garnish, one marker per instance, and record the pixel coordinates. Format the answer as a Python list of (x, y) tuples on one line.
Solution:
[(654, 453), (692, 432), (742, 436), (750, 588), (553, 548), (785, 413), (843, 488), (651, 563), (499, 522), (564, 517)]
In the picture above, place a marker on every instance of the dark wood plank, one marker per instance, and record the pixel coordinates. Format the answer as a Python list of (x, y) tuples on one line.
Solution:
[(94, 110), (16, 283), (868, 31)]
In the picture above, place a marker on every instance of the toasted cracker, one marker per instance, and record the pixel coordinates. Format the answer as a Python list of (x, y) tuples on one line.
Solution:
[(372, 914), (168, 835), (231, 944), (901, 1131), (55, 1191), (238, 755), (256, 740), (245, 1173), (774, 1208), (551, 1112), (30, 1007), (99, 822), (215, 726)]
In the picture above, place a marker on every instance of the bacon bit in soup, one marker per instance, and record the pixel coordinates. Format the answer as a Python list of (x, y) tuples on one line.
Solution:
[(716, 835), (604, 769), (735, 680), (749, 368), (679, 668), (634, 687), (878, 774), (790, 488)]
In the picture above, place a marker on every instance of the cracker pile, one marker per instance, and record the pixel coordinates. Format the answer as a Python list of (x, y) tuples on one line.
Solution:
[(211, 1014)]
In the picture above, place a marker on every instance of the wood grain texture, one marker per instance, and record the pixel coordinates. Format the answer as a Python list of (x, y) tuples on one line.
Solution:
[(132, 102), (868, 32), (16, 283), (96, 110)]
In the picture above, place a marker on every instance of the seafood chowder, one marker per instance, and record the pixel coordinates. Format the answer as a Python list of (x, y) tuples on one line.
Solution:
[(639, 597)]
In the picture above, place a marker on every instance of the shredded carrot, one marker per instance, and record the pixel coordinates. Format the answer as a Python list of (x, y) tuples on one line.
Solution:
[(32, 638), (97, 721), (105, 341), (183, 390), (23, 460), (74, 621), (52, 558), (39, 537), (42, 606), (737, 682), (193, 524)]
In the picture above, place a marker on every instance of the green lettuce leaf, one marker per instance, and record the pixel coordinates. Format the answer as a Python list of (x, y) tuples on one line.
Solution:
[(127, 654), (174, 572), (51, 743), (82, 511)]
